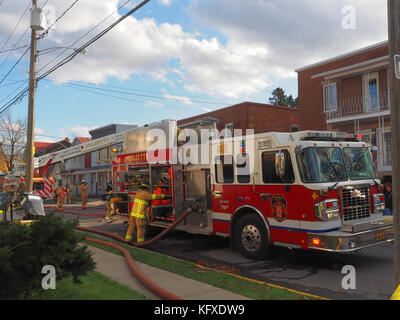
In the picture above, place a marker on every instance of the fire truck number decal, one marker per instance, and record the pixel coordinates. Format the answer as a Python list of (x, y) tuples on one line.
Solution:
[(279, 208)]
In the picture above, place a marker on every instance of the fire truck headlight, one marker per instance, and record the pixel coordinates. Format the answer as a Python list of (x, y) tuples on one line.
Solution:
[(327, 210)]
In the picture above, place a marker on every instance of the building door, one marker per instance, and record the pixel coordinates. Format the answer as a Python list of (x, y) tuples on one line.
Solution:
[(371, 92)]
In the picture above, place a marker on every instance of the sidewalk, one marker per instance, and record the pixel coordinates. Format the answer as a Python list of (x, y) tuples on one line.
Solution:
[(115, 267)]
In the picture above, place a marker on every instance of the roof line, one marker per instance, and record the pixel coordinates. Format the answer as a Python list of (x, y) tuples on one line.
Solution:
[(345, 55)]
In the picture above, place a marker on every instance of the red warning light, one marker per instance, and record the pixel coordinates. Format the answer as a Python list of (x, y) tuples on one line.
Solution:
[(316, 242)]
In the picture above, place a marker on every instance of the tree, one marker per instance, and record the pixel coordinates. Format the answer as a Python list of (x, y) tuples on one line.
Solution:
[(25, 250), (279, 98), (12, 142)]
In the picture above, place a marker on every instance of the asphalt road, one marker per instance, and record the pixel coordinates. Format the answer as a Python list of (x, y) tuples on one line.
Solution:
[(313, 272)]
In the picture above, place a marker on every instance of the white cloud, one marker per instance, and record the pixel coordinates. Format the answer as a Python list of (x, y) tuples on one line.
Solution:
[(263, 41), (75, 131), (42, 136), (292, 34), (183, 99), (165, 2), (154, 104)]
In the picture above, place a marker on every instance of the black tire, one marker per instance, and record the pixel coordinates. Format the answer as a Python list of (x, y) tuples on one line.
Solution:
[(251, 238)]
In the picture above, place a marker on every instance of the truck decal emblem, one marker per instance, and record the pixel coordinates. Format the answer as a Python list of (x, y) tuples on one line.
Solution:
[(279, 207)]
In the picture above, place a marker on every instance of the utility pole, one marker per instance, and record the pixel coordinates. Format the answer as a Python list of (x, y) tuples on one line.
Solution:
[(31, 110), (394, 49)]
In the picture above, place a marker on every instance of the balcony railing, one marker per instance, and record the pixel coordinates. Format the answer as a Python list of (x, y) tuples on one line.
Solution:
[(358, 105)]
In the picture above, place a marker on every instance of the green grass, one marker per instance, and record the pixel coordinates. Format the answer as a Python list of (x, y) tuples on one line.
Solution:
[(230, 282), (94, 286)]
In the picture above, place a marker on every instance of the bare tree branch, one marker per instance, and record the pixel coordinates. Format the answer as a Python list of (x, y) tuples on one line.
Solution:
[(12, 142)]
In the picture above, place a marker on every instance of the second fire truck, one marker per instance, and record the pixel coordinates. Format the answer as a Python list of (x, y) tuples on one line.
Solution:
[(306, 190)]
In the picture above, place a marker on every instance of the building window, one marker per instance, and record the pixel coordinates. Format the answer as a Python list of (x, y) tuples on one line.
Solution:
[(107, 153), (387, 149), (371, 92), (294, 128), (384, 138), (330, 97)]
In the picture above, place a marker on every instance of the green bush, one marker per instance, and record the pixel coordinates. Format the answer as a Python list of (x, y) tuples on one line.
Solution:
[(26, 249)]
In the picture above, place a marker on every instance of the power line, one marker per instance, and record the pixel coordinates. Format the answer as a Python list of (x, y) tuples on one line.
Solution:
[(93, 28), (12, 32), (21, 95), (13, 67), (17, 48), (120, 98), (94, 39), (139, 90), (176, 98), (44, 34)]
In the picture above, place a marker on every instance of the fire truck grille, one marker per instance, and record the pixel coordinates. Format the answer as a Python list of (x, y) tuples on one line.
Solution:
[(355, 202)]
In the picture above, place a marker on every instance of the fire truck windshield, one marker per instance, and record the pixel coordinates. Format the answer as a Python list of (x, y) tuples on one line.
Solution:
[(320, 165), (358, 163), (330, 164)]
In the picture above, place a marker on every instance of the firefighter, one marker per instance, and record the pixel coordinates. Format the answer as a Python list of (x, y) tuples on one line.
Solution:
[(109, 204), (84, 193), (60, 197), (68, 191), (387, 192), (12, 197), (138, 217), (180, 137), (20, 194)]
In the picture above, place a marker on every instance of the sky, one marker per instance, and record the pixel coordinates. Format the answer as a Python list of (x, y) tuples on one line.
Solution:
[(171, 59)]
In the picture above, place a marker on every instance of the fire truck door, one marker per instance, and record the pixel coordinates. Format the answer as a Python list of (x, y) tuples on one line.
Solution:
[(279, 197)]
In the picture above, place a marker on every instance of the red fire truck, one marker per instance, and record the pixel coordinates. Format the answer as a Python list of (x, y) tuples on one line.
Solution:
[(43, 187), (306, 190)]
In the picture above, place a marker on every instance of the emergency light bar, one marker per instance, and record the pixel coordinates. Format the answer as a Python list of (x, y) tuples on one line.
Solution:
[(324, 136)]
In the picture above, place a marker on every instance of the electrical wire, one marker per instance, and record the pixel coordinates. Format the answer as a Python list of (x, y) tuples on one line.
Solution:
[(94, 39), (93, 28), (121, 98), (22, 94), (177, 98), (45, 33), (12, 32), (13, 67), (17, 48)]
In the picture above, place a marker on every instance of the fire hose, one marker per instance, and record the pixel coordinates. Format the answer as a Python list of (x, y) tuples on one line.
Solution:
[(149, 284), (142, 244)]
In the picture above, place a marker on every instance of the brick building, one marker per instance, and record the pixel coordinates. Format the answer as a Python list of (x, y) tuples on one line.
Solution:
[(250, 115), (350, 93)]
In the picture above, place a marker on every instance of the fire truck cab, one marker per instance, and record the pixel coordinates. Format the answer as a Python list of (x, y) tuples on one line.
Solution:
[(305, 190)]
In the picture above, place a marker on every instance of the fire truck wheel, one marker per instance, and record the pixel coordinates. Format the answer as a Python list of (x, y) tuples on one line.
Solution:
[(251, 238)]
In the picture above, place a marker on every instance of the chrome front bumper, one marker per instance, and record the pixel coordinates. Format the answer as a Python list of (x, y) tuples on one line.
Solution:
[(341, 241)]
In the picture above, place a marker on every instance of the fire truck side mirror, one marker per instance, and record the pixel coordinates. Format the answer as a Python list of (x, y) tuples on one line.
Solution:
[(280, 168)]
